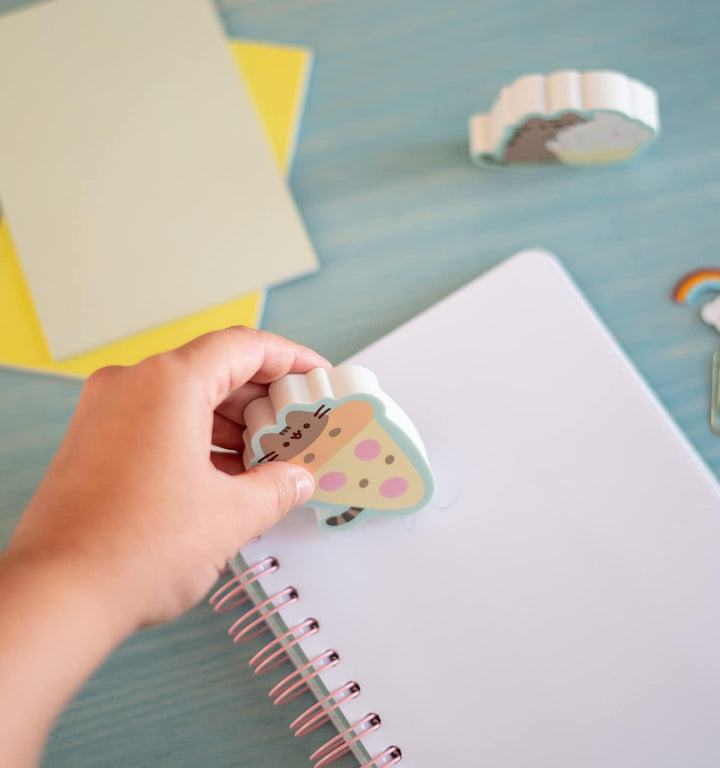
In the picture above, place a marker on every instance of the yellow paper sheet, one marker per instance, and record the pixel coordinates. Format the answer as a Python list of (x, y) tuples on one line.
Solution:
[(277, 78)]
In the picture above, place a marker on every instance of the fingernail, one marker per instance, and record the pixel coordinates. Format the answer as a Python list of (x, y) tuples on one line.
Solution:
[(304, 487)]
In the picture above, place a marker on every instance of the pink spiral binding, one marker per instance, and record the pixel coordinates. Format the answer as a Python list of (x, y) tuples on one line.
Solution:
[(268, 565), (253, 623), (339, 745), (261, 665), (392, 756), (287, 690), (284, 597), (319, 713)]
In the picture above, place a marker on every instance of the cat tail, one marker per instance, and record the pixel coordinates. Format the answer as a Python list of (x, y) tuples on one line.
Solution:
[(346, 517)]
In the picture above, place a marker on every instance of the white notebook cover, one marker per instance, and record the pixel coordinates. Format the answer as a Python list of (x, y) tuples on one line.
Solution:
[(557, 606), (134, 170)]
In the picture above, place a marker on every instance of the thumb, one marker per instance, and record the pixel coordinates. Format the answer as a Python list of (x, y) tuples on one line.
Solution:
[(268, 492)]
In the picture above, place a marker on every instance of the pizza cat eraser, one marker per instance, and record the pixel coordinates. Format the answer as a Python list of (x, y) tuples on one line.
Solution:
[(567, 118), (364, 452)]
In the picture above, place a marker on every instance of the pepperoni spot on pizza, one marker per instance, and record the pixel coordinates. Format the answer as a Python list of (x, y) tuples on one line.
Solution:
[(394, 487), (332, 481), (367, 450)]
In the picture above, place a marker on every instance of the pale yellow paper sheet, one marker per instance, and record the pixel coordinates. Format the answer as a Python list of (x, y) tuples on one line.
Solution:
[(135, 175), (276, 77)]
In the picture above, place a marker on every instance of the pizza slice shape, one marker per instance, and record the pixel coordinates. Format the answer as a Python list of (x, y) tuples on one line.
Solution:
[(364, 452), (371, 472)]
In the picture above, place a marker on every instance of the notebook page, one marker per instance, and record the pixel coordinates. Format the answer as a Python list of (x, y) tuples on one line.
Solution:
[(134, 170), (560, 610)]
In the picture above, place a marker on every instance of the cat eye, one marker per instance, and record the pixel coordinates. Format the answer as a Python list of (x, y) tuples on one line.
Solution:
[(306, 426)]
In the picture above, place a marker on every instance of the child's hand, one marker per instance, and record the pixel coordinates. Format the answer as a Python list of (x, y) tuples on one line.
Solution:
[(135, 502), (135, 518)]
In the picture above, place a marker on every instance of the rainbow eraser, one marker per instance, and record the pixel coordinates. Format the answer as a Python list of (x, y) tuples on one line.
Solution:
[(689, 290), (363, 450), (566, 118), (697, 283)]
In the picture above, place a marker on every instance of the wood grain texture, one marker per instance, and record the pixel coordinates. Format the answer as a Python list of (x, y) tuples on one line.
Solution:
[(400, 218)]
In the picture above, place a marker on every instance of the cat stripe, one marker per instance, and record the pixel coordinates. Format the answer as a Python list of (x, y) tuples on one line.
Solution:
[(347, 516)]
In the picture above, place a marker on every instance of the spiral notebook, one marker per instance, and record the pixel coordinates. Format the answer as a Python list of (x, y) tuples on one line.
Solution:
[(557, 604)]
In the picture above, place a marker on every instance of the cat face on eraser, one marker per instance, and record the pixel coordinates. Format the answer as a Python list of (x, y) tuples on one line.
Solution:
[(301, 429), (363, 450)]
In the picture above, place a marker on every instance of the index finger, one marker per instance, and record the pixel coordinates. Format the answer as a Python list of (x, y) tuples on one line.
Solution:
[(225, 360)]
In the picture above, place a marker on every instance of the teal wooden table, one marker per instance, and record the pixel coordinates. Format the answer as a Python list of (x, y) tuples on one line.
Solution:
[(400, 219)]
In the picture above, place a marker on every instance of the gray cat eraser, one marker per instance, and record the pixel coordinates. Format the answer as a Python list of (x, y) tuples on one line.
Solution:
[(566, 118)]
